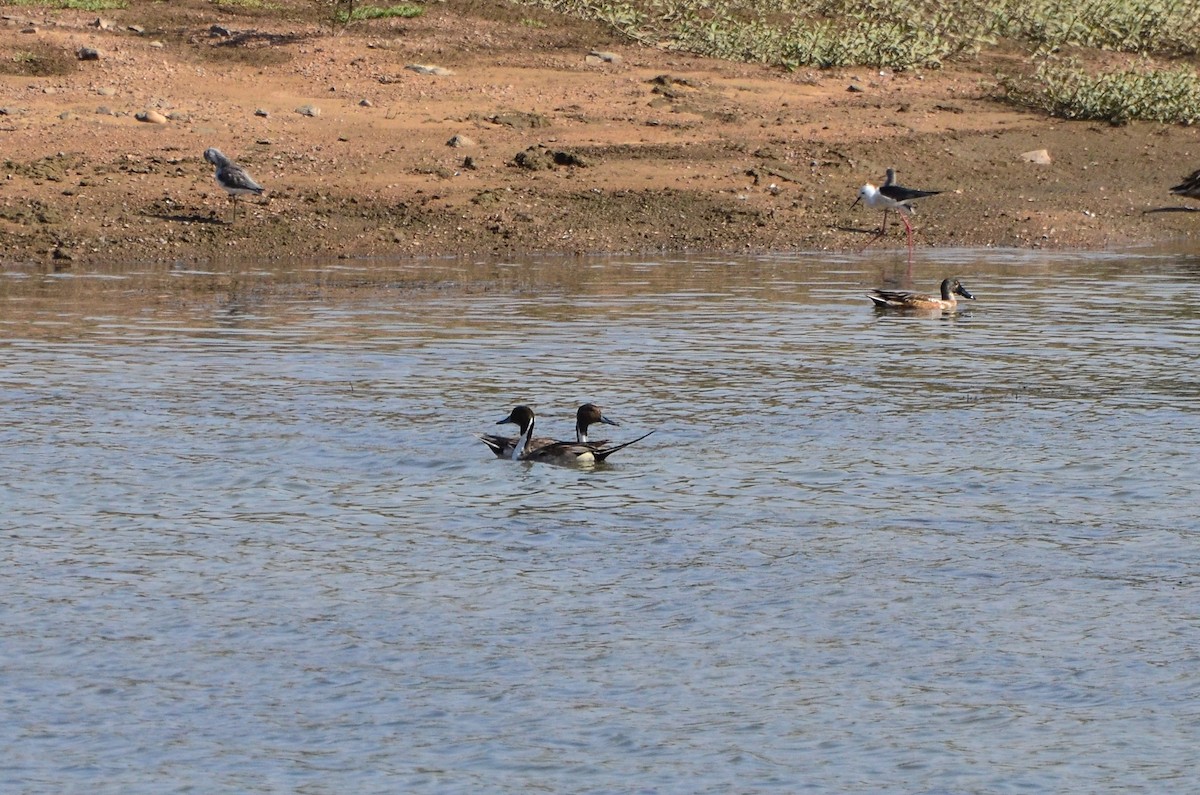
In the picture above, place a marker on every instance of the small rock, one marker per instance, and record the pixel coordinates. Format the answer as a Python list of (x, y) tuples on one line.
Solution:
[(29, 29), (426, 69), (106, 91), (260, 112), (460, 142), (308, 110), (540, 157), (103, 24), (151, 117), (469, 163), (219, 30), (1040, 157), (138, 29), (854, 88), (366, 103), (88, 54), (67, 115), (104, 110), (158, 45), (176, 115), (49, 90)]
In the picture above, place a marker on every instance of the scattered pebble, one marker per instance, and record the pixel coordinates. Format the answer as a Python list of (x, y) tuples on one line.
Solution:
[(106, 91), (49, 90), (104, 110), (151, 117), (855, 88), (29, 29), (101, 23), (1039, 156), (177, 115), (219, 30), (309, 110), (425, 69), (460, 142), (366, 103), (158, 45), (261, 112), (138, 29), (87, 54), (67, 115)]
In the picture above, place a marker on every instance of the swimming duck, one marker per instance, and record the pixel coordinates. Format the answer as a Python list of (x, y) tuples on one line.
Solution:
[(587, 414), (555, 452), (895, 299), (1190, 186)]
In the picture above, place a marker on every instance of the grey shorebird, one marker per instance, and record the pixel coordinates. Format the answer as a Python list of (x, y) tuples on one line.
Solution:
[(231, 177)]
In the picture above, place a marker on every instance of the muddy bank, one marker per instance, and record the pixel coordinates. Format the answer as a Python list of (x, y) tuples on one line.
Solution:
[(523, 141)]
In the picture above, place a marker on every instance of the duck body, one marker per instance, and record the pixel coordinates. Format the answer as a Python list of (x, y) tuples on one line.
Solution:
[(898, 299), (527, 448), (588, 414), (574, 453)]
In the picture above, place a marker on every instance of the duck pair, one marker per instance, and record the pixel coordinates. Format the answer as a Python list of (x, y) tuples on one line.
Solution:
[(527, 447)]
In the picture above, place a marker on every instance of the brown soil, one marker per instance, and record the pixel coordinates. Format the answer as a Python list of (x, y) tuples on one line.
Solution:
[(566, 153)]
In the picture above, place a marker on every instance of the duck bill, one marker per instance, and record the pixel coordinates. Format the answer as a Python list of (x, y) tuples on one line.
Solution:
[(963, 292), (606, 421)]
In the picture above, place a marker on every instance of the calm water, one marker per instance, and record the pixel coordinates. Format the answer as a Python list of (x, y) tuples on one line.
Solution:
[(250, 544)]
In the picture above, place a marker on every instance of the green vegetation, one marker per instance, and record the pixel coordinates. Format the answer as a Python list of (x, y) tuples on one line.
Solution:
[(341, 13), (900, 34), (403, 11), (75, 5), (1066, 89), (909, 34), (254, 5)]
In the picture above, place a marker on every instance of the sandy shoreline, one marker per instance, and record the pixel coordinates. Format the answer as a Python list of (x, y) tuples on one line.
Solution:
[(656, 150)]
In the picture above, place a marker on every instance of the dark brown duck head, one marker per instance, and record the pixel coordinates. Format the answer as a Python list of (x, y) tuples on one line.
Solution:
[(589, 414)]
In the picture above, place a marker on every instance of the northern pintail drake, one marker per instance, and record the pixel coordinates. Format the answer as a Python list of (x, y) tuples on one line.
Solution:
[(897, 299), (234, 179), (555, 452), (588, 414), (1190, 186)]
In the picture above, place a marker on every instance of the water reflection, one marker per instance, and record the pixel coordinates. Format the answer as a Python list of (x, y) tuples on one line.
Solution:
[(251, 544)]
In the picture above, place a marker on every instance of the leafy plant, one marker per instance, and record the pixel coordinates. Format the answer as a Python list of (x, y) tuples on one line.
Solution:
[(1068, 90), (896, 33), (404, 11), (341, 13), (74, 5)]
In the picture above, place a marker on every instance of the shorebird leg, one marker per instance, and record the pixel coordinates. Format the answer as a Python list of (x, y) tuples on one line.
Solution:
[(874, 237), (908, 226), (883, 226)]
